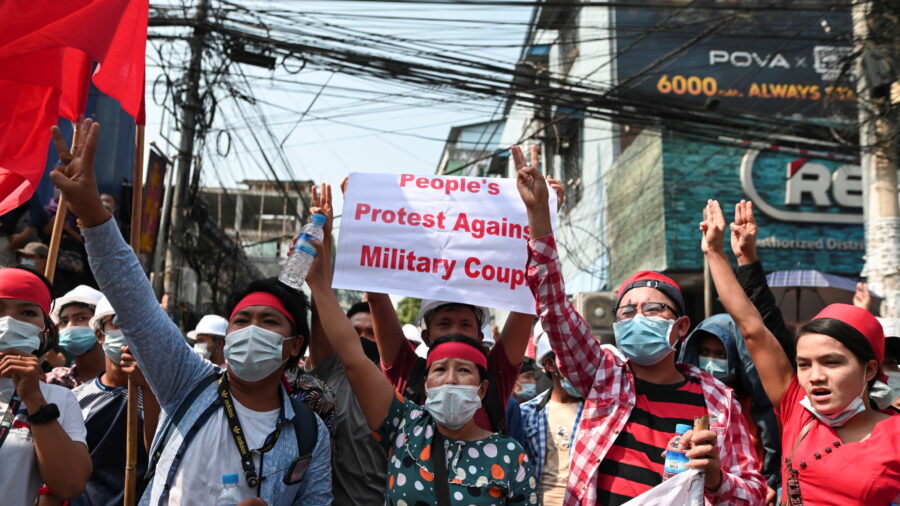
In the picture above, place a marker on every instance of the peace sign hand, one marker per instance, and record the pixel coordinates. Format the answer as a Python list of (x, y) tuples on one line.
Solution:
[(75, 178), (529, 180), (713, 228)]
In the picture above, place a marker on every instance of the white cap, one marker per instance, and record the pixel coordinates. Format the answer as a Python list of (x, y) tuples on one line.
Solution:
[(211, 324), (541, 343), (81, 293), (412, 333), (103, 309), (429, 305), (422, 350)]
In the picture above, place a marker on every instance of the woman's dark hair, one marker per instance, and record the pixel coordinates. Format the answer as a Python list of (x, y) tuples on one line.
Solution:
[(49, 336), (294, 301), (460, 338), (845, 334)]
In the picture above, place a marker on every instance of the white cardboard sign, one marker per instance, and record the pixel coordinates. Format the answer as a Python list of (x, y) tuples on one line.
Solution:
[(459, 239)]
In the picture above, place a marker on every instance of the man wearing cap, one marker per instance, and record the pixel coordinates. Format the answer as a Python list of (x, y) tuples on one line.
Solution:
[(633, 400), (103, 403), (549, 422), (72, 314), (33, 256), (237, 421), (209, 338), (406, 370)]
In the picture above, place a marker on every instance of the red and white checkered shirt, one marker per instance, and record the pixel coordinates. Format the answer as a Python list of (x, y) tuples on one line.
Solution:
[(607, 385)]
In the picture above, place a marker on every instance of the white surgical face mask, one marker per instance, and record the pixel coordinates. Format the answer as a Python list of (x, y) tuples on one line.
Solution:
[(202, 349), (885, 394), (18, 335), (718, 367), (112, 345), (28, 262), (253, 352), (452, 405), (835, 420)]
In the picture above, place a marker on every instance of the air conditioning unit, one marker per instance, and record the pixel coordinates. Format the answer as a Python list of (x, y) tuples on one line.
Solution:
[(597, 309)]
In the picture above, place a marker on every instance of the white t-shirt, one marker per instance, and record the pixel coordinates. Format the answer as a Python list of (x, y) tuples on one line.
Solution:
[(213, 453), (19, 475)]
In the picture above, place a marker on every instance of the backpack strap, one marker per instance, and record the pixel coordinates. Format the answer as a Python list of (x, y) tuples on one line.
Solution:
[(166, 433), (306, 427)]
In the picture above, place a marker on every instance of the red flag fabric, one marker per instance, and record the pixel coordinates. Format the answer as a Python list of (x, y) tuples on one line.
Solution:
[(46, 50), (121, 72)]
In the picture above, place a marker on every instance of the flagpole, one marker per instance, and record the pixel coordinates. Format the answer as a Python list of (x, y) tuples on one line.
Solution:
[(62, 209), (132, 430)]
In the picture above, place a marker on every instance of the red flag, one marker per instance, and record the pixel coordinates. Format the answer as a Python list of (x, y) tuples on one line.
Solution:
[(121, 72), (46, 50), (27, 111)]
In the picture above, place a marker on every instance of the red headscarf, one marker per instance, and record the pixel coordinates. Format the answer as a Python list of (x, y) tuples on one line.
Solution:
[(263, 299), (25, 285), (862, 321), (456, 349)]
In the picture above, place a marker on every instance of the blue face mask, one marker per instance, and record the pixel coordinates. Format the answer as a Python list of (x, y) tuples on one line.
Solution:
[(644, 340), (112, 345), (718, 367), (529, 390), (77, 340), (570, 388)]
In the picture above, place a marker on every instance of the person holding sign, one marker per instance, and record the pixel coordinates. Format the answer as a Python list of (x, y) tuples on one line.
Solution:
[(633, 396), (237, 421), (437, 455), (823, 405)]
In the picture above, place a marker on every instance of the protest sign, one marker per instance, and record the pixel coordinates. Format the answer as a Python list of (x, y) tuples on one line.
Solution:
[(684, 489), (459, 239)]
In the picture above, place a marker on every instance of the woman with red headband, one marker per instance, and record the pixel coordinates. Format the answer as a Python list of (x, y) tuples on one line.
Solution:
[(42, 435), (437, 454), (837, 449)]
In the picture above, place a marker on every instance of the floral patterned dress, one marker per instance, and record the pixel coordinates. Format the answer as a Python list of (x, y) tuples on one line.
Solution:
[(492, 471)]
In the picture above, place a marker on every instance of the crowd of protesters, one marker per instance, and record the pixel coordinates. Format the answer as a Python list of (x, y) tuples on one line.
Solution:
[(297, 401)]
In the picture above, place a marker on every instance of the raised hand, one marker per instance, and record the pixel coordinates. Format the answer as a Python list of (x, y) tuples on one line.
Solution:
[(713, 228), (321, 203), (743, 233), (560, 191), (75, 178), (529, 180), (862, 298), (130, 367)]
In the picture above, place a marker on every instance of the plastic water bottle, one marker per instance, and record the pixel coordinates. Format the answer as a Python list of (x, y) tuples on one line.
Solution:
[(676, 460), (230, 495), (297, 266)]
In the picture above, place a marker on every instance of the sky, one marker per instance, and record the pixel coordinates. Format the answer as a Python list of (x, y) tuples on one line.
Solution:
[(343, 128)]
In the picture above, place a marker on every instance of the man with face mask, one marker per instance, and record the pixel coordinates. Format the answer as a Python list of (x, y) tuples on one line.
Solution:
[(209, 338), (550, 421), (33, 256), (103, 403), (633, 400), (240, 420), (717, 347), (72, 314)]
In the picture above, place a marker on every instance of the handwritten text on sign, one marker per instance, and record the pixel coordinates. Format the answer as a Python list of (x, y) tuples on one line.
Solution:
[(458, 239)]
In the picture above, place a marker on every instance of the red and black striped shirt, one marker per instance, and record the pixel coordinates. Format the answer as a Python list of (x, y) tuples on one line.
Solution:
[(634, 464)]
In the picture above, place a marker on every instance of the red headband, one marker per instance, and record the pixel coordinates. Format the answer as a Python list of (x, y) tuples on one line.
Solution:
[(22, 284), (456, 349), (263, 299), (862, 321)]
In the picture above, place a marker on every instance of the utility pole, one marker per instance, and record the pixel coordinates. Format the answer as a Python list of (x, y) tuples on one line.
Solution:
[(877, 136), (191, 111)]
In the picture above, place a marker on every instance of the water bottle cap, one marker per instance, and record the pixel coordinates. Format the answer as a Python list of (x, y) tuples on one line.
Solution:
[(318, 220), (229, 479), (681, 428)]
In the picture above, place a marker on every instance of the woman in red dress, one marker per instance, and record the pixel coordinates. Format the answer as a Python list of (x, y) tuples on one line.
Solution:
[(837, 449)]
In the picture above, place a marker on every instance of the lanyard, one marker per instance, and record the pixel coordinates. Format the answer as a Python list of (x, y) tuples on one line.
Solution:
[(237, 433), (9, 417)]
